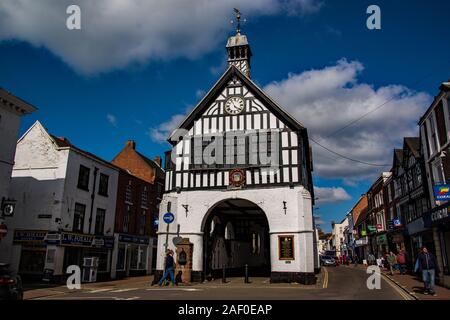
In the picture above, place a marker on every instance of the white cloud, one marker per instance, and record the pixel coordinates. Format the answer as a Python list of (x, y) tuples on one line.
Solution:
[(162, 132), (331, 194), (325, 100), (112, 119), (116, 33)]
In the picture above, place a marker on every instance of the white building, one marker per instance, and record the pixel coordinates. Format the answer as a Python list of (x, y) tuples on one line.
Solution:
[(241, 211), (11, 110), (338, 237), (66, 206)]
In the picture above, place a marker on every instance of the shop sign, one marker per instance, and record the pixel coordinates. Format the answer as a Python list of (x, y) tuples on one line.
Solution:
[(397, 223), (371, 228), (397, 238), (439, 214), (134, 239), (76, 239), (361, 242), (53, 238), (363, 233), (441, 192), (379, 227), (382, 239), (29, 235)]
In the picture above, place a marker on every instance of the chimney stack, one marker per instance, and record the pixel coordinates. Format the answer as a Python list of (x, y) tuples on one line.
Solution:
[(131, 144), (158, 160)]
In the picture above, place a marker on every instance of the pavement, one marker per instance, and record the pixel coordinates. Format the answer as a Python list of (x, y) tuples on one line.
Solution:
[(333, 283), (412, 285)]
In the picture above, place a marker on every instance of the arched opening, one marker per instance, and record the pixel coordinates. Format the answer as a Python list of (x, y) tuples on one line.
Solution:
[(236, 233)]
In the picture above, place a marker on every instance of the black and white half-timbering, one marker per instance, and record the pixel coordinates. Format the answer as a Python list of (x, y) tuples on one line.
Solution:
[(239, 184)]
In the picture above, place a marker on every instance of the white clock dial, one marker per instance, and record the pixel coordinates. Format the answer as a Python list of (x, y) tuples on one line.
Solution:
[(234, 105)]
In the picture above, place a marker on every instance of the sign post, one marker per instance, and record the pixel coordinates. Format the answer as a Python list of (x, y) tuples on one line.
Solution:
[(168, 219)]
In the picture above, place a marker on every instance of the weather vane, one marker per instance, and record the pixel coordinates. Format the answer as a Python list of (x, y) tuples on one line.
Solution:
[(238, 19)]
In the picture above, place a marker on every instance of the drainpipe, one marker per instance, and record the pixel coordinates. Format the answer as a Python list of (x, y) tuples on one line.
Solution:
[(92, 199)]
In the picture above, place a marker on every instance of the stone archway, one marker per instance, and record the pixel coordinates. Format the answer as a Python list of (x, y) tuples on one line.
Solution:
[(236, 233)]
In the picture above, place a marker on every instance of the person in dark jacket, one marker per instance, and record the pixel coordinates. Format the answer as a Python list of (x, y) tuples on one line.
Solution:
[(169, 268), (428, 267)]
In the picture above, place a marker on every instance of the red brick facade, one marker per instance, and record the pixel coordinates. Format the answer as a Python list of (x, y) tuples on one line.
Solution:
[(139, 192)]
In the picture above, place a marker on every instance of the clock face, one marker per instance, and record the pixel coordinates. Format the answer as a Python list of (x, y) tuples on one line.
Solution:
[(234, 105)]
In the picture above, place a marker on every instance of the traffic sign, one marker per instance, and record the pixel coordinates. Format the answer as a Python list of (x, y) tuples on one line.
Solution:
[(168, 217)]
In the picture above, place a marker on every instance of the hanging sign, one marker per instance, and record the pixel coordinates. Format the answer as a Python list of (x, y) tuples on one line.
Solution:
[(441, 192)]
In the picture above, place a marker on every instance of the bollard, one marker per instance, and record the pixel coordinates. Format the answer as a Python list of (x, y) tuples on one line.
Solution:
[(246, 274), (224, 279)]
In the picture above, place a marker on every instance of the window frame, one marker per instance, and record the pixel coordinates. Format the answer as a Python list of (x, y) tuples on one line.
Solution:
[(101, 185), (101, 231), (84, 169), (76, 218)]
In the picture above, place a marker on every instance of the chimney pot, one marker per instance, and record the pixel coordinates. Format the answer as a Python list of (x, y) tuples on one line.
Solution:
[(131, 143)]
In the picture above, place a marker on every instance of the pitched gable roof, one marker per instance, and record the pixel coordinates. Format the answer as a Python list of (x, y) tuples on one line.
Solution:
[(64, 143), (254, 89), (413, 143)]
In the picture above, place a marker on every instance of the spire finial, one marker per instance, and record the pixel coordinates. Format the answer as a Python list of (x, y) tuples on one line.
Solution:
[(238, 18)]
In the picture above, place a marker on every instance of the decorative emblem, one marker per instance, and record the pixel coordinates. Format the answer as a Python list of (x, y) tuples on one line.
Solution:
[(237, 178)]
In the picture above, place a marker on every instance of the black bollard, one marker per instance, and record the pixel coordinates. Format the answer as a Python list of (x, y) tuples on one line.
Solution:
[(224, 279), (246, 274)]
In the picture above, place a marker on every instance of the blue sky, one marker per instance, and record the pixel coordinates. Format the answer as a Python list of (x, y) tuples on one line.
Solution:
[(131, 73)]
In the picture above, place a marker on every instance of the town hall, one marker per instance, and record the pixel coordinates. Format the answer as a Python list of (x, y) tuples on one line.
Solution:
[(238, 184)]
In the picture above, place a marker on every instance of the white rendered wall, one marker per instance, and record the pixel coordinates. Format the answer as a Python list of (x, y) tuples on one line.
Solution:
[(297, 222)]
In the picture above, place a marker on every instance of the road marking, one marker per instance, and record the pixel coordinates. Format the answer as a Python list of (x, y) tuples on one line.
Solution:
[(124, 290), (132, 298), (99, 290), (396, 288), (325, 279), (173, 289)]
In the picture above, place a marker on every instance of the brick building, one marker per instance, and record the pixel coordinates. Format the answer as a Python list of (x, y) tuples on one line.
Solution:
[(435, 142), (139, 193)]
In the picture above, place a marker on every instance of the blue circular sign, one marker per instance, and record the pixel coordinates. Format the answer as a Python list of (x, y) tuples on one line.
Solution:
[(168, 217)]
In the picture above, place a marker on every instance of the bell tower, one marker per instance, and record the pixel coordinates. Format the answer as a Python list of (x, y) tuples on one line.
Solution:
[(239, 52)]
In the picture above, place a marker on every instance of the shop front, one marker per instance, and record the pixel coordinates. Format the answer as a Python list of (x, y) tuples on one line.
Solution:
[(439, 221), (30, 248), (132, 255), (382, 244), (78, 246), (361, 248), (49, 253)]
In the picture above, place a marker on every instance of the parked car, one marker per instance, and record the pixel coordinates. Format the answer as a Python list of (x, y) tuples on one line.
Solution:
[(327, 260), (10, 284)]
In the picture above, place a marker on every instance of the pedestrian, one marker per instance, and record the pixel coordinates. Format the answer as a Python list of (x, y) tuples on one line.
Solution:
[(355, 259), (392, 261), (401, 261), (371, 259), (427, 265), (169, 268)]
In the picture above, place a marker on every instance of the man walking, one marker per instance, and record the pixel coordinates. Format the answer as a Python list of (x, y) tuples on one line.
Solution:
[(169, 268), (428, 267), (392, 261)]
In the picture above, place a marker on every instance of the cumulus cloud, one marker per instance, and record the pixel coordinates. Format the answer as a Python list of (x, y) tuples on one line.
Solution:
[(331, 194), (325, 100), (117, 33), (161, 132), (111, 119)]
